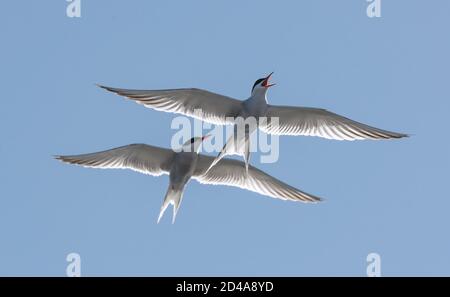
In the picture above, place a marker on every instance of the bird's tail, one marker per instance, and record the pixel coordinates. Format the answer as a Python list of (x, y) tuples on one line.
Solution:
[(235, 147), (231, 147), (174, 196), (216, 160), (247, 153)]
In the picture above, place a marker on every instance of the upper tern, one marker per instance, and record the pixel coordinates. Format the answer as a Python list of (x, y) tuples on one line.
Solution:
[(184, 165), (220, 109)]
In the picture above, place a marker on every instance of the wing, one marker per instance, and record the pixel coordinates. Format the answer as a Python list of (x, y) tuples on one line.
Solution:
[(138, 157), (214, 108), (232, 173), (320, 122)]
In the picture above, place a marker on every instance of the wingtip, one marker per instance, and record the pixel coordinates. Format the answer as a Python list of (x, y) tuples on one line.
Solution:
[(314, 199), (319, 199), (66, 159), (101, 86), (401, 135), (109, 89)]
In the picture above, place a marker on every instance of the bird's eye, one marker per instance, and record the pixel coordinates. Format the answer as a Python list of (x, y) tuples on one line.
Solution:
[(192, 140)]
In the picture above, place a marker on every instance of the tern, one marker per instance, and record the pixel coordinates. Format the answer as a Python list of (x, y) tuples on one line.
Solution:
[(187, 164), (223, 110)]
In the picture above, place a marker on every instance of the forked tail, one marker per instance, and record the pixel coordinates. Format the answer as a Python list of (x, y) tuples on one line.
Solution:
[(174, 197)]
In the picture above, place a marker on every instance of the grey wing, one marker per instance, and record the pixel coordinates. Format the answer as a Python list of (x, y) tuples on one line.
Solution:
[(320, 122), (138, 157), (214, 108), (233, 173)]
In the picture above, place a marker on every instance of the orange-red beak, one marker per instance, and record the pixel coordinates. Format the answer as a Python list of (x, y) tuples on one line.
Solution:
[(205, 137), (266, 82)]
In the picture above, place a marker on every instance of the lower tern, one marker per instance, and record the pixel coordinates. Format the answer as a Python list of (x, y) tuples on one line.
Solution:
[(223, 110), (185, 165)]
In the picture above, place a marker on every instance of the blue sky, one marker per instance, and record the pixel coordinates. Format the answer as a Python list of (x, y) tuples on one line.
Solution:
[(388, 197)]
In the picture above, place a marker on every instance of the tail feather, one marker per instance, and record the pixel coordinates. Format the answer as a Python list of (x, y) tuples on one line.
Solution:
[(176, 206), (247, 153), (217, 159), (174, 197), (231, 147)]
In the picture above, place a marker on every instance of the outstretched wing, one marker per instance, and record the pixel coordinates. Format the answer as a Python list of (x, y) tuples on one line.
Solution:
[(214, 108), (320, 122), (233, 173), (138, 157)]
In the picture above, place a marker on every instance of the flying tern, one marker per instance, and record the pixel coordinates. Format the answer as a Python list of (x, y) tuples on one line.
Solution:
[(223, 110), (187, 164)]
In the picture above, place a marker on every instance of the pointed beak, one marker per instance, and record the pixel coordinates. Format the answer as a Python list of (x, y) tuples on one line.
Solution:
[(266, 81), (206, 137)]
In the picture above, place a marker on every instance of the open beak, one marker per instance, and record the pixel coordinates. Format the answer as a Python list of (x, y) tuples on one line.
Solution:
[(266, 81), (206, 136)]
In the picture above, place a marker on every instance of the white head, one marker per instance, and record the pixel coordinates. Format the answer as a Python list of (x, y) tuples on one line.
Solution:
[(193, 144), (261, 86)]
